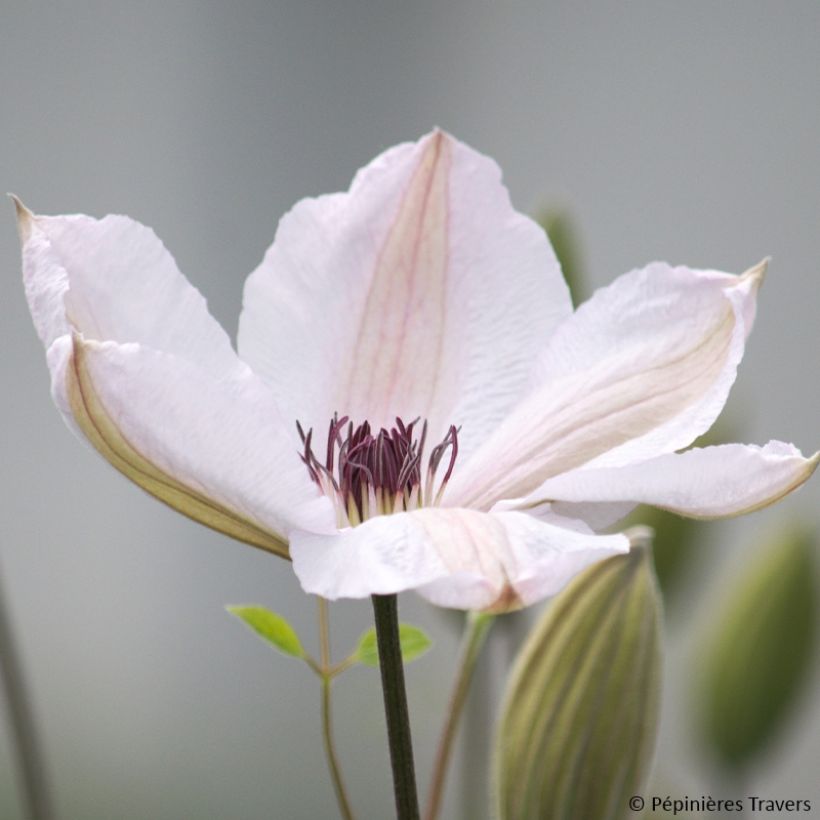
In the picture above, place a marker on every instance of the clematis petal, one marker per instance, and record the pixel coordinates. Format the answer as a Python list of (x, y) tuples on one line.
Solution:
[(420, 292), (641, 369), (141, 369), (709, 482), (112, 279), (203, 445), (454, 557), (599, 516)]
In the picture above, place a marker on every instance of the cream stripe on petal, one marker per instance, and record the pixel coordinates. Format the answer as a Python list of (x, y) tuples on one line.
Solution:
[(681, 430), (96, 425), (640, 369), (709, 482), (77, 389), (571, 422)]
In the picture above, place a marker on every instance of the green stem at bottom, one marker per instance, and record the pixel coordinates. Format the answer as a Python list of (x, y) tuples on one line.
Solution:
[(385, 610), (475, 632), (327, 717)]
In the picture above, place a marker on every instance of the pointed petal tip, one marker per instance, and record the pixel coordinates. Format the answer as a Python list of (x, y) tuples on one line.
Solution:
[(25, 218), (757, 273), (436, 139)]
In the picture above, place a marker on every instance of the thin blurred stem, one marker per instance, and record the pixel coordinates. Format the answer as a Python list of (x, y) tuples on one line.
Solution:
[(324, 633), (36, 797), (475, 633), (327, 715), (385, 610)]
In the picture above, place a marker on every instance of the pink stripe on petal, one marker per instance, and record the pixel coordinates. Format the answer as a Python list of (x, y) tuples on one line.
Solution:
[(404, 316)]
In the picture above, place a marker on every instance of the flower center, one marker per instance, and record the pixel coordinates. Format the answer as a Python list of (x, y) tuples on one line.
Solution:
[(367, 475)]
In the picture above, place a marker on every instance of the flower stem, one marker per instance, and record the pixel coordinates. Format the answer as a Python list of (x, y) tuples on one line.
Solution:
[(36, 797), (327, 723), (385, 610), (475, 632)]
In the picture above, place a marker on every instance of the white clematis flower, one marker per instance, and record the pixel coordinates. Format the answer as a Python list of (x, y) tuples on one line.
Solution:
[(421, 305)]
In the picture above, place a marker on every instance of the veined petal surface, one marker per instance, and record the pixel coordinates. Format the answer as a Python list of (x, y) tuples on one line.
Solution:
[(641, 369), (141, 369), (454, 557), (420, 292), (708, 482), (112, 279), (210, 448)]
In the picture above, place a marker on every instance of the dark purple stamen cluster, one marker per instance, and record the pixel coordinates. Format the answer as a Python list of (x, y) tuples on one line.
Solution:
[(367, 474)]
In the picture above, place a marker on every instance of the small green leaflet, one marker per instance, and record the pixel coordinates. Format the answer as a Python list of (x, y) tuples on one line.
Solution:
[(414, 643), (270, 627)]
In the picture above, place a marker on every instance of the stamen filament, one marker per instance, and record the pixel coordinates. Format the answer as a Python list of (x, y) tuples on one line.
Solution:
[(367, 475)]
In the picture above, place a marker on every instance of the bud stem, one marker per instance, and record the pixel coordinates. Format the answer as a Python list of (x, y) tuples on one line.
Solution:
[(475, 632), (385, 610), (327, 721)]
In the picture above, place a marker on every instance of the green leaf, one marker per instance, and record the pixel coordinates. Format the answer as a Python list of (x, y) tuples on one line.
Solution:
[(760, 653), (580, 710), (562, 235), (271, 627), (414, 643)]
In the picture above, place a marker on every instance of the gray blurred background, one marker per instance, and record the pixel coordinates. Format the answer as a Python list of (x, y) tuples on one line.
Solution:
[(686, 132)]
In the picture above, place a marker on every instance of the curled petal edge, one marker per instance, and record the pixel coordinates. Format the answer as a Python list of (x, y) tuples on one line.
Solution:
[(673, 482), (96, 425)]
